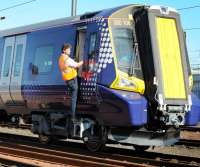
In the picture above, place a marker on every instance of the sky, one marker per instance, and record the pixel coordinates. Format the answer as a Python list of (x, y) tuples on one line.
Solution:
[(43, 10)]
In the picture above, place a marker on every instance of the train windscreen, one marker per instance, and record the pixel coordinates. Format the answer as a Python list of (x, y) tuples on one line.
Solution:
[(123, 41), (126, 50)]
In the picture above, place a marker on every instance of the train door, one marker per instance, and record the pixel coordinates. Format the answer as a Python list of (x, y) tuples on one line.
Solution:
[(81, 37), (11, 73), (88, 75), (80, 51), (5, 71), (16, 75)]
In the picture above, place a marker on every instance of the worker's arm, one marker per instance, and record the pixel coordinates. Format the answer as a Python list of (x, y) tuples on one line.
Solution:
[(72, 63), (80, 64)]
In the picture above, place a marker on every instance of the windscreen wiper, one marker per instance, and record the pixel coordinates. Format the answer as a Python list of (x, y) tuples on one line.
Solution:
[(135, 52)]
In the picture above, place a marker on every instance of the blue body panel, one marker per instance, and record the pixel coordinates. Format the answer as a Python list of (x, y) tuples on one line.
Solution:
[(122, 107), (193, 116), (43, 88), (48, 89), (55, 37)]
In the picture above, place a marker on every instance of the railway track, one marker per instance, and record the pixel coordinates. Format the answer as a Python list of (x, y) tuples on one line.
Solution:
[(22, 126), (28, 126), (68, 153), (190, 136), (11, 163), (191, 143), (58, 157), (191, 128)]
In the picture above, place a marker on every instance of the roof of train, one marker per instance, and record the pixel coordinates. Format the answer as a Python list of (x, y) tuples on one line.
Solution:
[(53, 23), (38, 26), (46, 24)]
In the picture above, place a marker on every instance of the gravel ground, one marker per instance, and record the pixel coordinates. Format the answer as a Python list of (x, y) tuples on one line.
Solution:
[(178, 150), (17, 131), (174, 150), (190, 135)]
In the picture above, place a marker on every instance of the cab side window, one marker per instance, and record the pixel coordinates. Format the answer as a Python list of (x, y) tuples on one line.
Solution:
[(43, 61), (92, 52)]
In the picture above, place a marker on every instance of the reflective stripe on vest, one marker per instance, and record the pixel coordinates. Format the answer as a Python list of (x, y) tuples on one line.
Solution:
[(68, 72)]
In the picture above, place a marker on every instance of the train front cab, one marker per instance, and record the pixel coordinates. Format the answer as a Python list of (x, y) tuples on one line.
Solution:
[(157, 70), (168, 75)]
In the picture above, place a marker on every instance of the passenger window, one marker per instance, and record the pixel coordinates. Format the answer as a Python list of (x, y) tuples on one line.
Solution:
[(18, 60), (43, 59), (7, 61), (92, 52)]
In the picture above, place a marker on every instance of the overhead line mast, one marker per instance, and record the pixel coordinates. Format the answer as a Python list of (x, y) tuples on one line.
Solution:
[(74, 7)]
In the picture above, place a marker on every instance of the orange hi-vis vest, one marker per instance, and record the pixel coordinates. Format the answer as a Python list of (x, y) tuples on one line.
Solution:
[(68, 72)]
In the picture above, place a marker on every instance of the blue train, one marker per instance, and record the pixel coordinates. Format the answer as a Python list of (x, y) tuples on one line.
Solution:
[(134, 87)]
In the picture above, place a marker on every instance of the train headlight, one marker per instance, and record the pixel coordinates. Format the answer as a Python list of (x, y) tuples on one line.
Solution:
[(125, 83), (128, 83)]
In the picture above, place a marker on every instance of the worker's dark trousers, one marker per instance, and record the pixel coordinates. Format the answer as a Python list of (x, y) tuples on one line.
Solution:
[(73, 85)]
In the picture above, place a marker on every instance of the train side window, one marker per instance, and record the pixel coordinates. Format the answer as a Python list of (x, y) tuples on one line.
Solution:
[(7, 61), (92, 45), (44, 59), (92, 52), (18, 59)]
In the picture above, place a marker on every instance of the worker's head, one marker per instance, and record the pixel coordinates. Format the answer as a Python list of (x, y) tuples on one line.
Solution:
[(66, 48)]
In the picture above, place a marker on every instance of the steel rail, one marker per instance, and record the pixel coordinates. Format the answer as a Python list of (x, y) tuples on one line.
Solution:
[(191, 128), (59, 157), (116, 157), (191, 143), (8, 163)]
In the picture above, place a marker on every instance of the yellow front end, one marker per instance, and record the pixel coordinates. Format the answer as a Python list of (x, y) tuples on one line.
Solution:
[(129, 75), (170, 58)]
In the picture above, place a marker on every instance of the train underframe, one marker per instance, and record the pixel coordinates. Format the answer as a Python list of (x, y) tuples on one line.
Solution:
[(54, 125), (95, 134)]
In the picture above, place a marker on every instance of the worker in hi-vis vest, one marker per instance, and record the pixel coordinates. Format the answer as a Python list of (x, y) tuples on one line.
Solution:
[(68, 69)]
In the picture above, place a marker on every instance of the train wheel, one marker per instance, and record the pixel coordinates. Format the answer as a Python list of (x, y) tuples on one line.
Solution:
[(93, 143), (45, 139), (140, 148)]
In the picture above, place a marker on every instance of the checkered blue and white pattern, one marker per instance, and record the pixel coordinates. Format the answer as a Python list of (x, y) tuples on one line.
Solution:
[(88, 87), (105, 51)]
